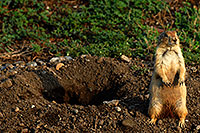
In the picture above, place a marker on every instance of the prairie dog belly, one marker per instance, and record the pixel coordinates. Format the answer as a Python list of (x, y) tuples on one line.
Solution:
[(170, 95), (171, 64)]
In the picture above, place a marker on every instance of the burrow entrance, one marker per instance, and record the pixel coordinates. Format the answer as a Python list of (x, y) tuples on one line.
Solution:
[(87, 80)]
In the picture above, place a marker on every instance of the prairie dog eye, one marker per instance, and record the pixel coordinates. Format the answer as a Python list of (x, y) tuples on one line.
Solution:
[(174, 39)]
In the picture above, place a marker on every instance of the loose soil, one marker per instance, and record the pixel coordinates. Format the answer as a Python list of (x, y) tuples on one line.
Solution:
[(88, 94)]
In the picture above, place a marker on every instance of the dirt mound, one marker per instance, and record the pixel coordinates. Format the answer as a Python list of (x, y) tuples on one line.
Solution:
[(92, 94)]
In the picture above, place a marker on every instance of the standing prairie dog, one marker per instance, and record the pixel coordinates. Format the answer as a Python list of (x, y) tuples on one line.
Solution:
[(167, 88)]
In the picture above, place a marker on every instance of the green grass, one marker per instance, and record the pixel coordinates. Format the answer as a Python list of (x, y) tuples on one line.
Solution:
[(103, 28)]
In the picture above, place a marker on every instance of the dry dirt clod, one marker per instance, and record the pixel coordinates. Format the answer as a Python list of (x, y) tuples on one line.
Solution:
[(118, 109), (6, 84), (25, 130), (128, 123), (1, 115), (112, 102), (125, 58), (17, 109)]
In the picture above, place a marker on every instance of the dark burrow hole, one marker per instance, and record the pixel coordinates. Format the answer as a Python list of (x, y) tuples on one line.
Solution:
[(84, 95), (85, 82)]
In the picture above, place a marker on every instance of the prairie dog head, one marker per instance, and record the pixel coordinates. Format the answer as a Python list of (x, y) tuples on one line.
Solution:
[(168, 39)]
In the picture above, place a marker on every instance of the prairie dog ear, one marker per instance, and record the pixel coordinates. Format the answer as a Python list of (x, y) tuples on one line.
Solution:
[(172, 33), (160, 30)]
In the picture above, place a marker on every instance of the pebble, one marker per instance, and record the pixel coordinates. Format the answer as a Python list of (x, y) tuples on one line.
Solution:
[(19, 63), (198, 127), (75, 111), (125, 58), (101, 122), (194, 69), (59, 65), (40, 62), (54, 59), (11, 66), (25, 130), (160, 122), (3, 68), (32, 106), (83, 56), (17, 109), (147, 96), (118, 109), (112, 102), (128, 123), (68, 58), (1, 115), (32, 64)]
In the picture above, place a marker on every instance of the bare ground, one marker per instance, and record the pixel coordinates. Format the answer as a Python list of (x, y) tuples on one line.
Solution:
[(87, 94)]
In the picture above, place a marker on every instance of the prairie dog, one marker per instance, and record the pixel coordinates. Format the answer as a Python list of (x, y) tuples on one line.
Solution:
[(167, 88)]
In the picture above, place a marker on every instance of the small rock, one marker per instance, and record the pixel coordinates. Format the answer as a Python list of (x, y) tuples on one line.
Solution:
[(81, 120), (125, 58), (194, 69), (132, 113), (128, 123), (113, 102), (3, 68), (47, 8), (53, 101), (83, 56), (118, 109), (1, 115), (137, 114), (68, 58), (25, 130), (32, 106), (75, 111), (11, 66), (19, 63), (160, 122), (59, 65), (21, 124), (17, 109), (32, 64), (101, 122), (147, 96), (54, 59), (40, 62), (198, 127)]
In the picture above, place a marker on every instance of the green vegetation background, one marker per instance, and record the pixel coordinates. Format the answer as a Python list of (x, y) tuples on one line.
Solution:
[(103, 28)]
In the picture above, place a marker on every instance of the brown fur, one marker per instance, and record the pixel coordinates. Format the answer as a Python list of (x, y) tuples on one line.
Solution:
[(167, 88)]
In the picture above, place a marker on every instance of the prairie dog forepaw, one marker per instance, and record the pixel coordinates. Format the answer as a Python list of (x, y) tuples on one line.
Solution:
[(167, 82), (181, 123), (181, 81), (153, 121)]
